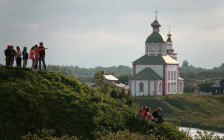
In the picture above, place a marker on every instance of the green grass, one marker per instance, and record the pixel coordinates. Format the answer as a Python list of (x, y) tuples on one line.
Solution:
[(50, 101), (190, 110)]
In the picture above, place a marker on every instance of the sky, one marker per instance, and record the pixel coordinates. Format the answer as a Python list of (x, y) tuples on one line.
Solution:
[(90, 33)]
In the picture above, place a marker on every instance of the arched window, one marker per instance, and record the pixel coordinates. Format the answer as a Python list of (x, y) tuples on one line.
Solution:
[(168, 87), (146, 49), (168, 75), (160, 48), (153, 49), (141, 87), (172, 87), (175, 75), (175, 87), (172, 75), (160, 87)]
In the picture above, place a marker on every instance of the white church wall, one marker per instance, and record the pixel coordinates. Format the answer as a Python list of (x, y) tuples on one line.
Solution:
[(156, 68), (172, 79)]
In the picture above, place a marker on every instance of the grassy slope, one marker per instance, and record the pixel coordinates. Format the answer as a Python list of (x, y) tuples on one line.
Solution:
[(206, 112), (36, 100)]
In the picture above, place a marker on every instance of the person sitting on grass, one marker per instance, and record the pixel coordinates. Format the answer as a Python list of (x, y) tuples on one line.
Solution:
[(147, 114), (139, 112), (156, 116)]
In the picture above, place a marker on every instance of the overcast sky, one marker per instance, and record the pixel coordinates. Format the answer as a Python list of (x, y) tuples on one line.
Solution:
[(89, 33)]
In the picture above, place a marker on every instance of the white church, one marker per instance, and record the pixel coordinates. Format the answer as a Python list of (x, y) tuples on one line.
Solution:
[(157, 72)]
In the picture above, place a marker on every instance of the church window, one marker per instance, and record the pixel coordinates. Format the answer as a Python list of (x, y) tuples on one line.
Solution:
[(175, 75), (160, 87), (168, 87), (168, 75), (160, 48), (146, 48), (175, 87), (152, 49), (141, 87), (172, 75)]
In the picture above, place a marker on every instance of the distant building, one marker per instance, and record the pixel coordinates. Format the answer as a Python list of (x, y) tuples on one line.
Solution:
[(156, 72), (111, 79), (218, 87)]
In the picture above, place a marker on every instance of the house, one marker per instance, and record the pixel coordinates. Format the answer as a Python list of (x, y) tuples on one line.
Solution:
[(218, 87)]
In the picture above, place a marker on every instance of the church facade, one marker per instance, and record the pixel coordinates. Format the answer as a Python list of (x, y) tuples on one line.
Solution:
[(157, 72)]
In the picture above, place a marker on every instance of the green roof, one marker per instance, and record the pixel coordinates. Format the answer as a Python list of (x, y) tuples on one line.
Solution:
[(169, 39), (145, 59), (159, 59), (147, 74), (155, 37)]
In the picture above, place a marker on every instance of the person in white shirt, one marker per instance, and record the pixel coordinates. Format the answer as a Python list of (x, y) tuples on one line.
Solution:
[(18, 56)]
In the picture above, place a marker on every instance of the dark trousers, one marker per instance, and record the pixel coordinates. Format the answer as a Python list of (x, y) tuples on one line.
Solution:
[(12, 61), (18, 61), (43, 60), (8, 60)]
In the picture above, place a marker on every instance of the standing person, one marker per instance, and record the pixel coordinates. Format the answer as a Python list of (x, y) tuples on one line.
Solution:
[(13, 55), (32, 57), (156, 116), (37, 50), (42, 56), (18, 57), (25, 57), (8, 55)]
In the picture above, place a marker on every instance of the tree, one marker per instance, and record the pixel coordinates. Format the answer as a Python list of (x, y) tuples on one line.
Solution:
[(206, 85)]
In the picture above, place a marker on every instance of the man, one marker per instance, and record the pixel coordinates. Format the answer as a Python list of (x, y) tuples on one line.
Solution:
[(157, 117), (25, 57), (42, 56), (13, 55), (8, 55)]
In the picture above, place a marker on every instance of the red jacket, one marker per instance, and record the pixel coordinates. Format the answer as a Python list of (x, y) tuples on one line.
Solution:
[(31, 54), (37, 53)]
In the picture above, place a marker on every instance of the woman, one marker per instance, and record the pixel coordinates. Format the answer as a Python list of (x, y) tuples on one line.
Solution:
[(147, 114), (32, 57), (18, 56), (25, 57), (37, 50)]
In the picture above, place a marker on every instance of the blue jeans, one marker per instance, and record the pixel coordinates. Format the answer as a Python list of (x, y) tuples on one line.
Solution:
[(43, 60)]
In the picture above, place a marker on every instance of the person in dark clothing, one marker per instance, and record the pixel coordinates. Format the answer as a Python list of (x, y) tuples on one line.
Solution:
[(157, 117), (42, 56), (25, 56), (13, 55), (8, 55)]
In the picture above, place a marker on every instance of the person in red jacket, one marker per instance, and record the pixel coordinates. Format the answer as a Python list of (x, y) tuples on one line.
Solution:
[(147, 114), (37, 50), (32, 57)]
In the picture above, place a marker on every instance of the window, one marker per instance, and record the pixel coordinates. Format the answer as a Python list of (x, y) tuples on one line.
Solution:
[(168, 87), (141, 87), (168, 75), (160, 48), (152, 50), (175, 87), (175, 75), (146, 48), (160, 87), (172, 75)]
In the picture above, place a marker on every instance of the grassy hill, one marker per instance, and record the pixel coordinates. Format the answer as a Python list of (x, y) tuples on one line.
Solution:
[(48, 100), (206, 112)]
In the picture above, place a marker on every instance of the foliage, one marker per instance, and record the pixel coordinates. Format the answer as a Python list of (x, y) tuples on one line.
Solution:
[(206, 85), (206, 136), (31, 101), (189, 110), (87, 74)]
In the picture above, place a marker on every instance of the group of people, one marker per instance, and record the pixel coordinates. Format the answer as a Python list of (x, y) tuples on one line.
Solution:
[(145, 112), (37, 54)]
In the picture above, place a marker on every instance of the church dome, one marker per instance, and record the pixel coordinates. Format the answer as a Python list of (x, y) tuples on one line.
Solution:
[(155, 37), (155, 24)]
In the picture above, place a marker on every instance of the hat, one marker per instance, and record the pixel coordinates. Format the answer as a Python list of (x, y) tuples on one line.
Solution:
[(159, 108), (9, 46)]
